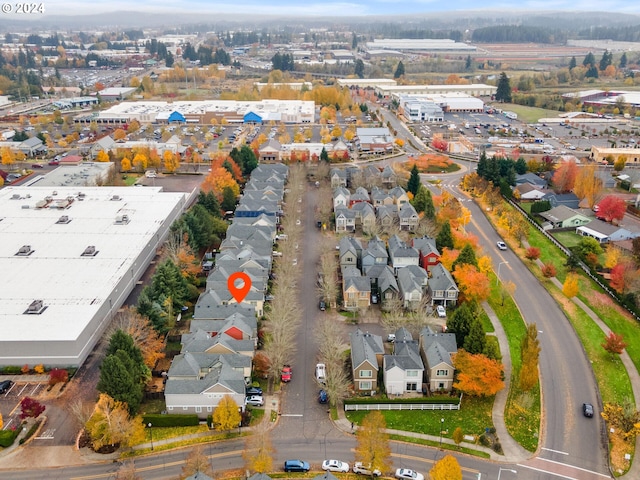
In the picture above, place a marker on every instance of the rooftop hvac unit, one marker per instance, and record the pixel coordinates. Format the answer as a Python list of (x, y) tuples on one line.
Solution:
[(116, 198), (25, 251), (35, 308), (64, 219), (15, 196), (90, 251), (122, 219)]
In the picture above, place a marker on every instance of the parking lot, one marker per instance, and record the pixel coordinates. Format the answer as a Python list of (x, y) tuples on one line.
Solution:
[(10, 400)]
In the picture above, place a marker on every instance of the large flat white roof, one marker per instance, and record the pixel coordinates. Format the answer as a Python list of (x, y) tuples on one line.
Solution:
[(72, 287)]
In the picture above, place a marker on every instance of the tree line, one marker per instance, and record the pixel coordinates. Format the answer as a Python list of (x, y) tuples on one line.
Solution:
[(518, 34)]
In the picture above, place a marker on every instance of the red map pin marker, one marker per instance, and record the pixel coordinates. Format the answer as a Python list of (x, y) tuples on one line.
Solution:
[(239, 293)]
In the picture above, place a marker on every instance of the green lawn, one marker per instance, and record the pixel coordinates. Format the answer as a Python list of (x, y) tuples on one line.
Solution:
[(529, 114), (473, 417), (549, 253), (568, 239)]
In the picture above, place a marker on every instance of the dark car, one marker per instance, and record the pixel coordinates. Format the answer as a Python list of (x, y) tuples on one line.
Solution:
[(37, 165), (54, 162), (296, 466), (319, 224), (323, 397), (5, 385), (587, 410), (253, 391), (322, 305)]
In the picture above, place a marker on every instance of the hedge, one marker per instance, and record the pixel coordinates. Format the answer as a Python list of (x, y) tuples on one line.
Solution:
[(171, 420), (439, 399), (12, 370), (30, 433), (7, 437)]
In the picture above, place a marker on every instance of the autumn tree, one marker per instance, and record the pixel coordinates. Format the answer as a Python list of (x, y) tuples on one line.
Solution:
[(614, 343), (571, 286), (226, 416), (612, 256), (564, 177), (119, 134), (217, 180), (258, 452), (140, 162), (624, 418), (611, 208), (447, 468), (529, 354), (458, 435), (171, 161), (102, 156), (30, 408), (623, 277), (127, 471), (372, 446), (532, 253), (58, 375), (477, 375), (473, 284), (141, 330), (125, 165), (587, 184), (111, 424), (197, 462), (331, 349)]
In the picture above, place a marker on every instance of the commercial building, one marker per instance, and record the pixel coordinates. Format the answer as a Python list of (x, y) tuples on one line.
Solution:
[(415, 45), (474, 89), (365, 82), (70, 257), (606, 154), (207, 112)]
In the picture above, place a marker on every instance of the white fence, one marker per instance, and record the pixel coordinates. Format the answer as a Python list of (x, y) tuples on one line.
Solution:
[(401, 406)]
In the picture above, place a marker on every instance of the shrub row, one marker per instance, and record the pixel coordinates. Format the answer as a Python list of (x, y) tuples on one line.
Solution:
[(7, 437), (157, 420), (30, 433)]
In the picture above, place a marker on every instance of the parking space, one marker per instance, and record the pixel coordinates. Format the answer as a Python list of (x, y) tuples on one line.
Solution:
[(10, 400)]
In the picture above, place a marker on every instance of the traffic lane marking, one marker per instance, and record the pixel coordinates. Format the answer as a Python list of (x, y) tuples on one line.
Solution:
[(563, 470)]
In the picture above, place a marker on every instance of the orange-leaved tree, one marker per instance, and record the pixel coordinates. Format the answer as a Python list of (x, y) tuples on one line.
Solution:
[(477, 375), (565, 176), (473, 284), (218, 179)]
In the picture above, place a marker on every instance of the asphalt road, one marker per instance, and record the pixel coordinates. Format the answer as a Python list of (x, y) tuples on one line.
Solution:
[(567, 379)]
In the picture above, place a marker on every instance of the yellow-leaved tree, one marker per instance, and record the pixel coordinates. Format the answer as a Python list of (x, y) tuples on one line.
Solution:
[(612, 256), (102, 156), (170, 160), (140, 162), (226, 416), (111, 424), (447, 468), (258, 452), (372, 448), (125, 165), (571, 286)]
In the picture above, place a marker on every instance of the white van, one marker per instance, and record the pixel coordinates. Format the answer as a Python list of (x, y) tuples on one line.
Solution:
[(150, 174), (321, 373)]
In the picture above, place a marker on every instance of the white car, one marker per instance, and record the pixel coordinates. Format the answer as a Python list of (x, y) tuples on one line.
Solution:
[(321, 373), (358, 467), (406, 474), (501, 245), (255, 400), (335, 466), (442, 313)]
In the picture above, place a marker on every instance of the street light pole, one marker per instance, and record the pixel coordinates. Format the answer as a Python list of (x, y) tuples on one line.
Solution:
[(441, 428), (506, 470), (498, 276), (151, 433)]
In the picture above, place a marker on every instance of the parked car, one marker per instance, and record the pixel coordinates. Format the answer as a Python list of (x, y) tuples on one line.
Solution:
[(321, 373), (251, 391), (391, 337), (406, 474), (5, 385), (322, 305), (358, 467), (587, 410), (285, 376), (296, 466), (255, 400), (501, 245), (323, 397), (335, 466), (54, 162), (442, 313), (37, 165)]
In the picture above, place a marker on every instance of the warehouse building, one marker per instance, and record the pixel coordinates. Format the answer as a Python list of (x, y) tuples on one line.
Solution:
[(70, 257), (474, 89)]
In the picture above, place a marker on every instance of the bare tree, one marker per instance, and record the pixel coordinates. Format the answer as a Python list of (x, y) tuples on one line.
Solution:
[(426, 227), (127, 471), (81, 411), (196, 462), (331, 351), (395, 317), (329, 277), (259, 452)]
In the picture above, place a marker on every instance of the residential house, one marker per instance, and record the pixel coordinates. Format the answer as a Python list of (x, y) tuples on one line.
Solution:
[(605, 232), (399, 195), (203, 476), (356, 291), (403, 370), (528, 191), (401, 254), (429, 254), (563, 217), (381, 197), (367, 351), (199, 341), (436, 350), (365, 216), (104, 144), (567, 199), (412, 282), (441, 287), (32, 146), (338, 178), (341, 197), (388, 288), (408, 217), (350, 252), (389, 177), (345, 220), (531, 178), (375, 254), (387, 216), (196, 382), (360, 195)]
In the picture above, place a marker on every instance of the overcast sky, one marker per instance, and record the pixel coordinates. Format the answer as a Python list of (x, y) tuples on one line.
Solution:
[(331, 7)]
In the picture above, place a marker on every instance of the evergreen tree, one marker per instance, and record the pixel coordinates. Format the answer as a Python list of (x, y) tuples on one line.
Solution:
[(592, 72), (419, 202), (399, 70), (476, 340), (623, 60), (358, 69), (589, 60), (414, 181), (467, 256), (481, 169), (572, 63), (468, 63), (228, 199), (503, 93), (118, 380), (354, 42), (168, 282), (521, 166), (429, 208), (605, 61), (460, 323), (324, 156), (248, 159), (210, 202), (444, 238)]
